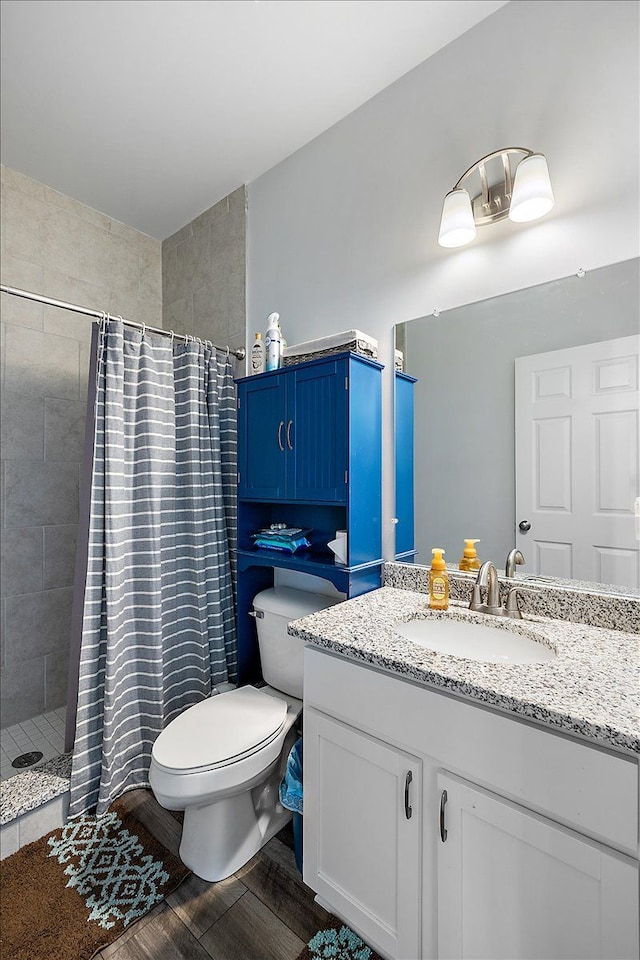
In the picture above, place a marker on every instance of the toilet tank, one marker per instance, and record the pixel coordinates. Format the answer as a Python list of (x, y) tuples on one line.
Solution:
[(281, 654)]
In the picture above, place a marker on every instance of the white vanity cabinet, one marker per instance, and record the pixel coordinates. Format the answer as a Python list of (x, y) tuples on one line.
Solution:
[(363, 856), (512, 884), (531, 853)]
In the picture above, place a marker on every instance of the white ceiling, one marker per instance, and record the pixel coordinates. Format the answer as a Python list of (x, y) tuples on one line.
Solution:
[(152, 110)]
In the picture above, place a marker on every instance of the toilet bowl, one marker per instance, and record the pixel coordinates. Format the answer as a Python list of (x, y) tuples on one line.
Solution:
[(222, 760)]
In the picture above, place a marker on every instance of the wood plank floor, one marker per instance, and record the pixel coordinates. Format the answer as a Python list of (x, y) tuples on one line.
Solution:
[(263, 912)]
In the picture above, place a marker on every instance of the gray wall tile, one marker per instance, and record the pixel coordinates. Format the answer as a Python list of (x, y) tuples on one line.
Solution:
[(21, 312), (194, 257), (21, 691), (61, 237), (21, 273), (21, 216), (22, 427), (37, 624), (178, 315), (18, 181), (60, 555), (170, 279), (22, 561), (54, 245), (64, 423), (40, 494), (206, 219), (3, 352), (3, 632), (204, 274), (109, 261), (150, 266), (40, 364), (182, 234), (56, 678), (238, 200), (209, 315)]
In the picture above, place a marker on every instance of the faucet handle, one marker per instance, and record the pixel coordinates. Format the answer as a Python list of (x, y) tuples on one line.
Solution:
[(512, 609), (476, 599)]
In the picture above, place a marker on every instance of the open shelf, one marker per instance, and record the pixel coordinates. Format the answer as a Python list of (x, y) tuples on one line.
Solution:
[(306, 561)]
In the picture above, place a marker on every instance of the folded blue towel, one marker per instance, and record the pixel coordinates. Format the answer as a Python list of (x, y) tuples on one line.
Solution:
[(284, 545)]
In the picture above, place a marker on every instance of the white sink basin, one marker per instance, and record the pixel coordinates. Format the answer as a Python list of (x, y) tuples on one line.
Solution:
[(475, 641)]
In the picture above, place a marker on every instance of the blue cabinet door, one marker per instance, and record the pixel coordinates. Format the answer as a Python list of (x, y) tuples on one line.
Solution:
[(316, 433), (261, 438)]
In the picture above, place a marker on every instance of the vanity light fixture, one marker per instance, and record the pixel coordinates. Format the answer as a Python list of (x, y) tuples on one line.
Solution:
[(489, 191)]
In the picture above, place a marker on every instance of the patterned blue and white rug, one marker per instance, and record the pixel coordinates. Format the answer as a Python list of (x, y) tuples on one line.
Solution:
[(337, 942), (76, 890)]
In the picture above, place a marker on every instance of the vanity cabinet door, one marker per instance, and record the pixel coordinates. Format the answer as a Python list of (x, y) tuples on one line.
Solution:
[(362, 833), (512, 884)]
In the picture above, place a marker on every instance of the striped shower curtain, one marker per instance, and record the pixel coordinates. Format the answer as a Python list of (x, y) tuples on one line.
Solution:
[(158, 621)]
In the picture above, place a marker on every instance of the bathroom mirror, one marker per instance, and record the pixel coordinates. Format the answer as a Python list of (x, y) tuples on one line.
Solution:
[(524, 358)]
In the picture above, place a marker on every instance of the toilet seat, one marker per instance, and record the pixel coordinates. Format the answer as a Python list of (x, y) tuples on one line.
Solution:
[(219, 731)]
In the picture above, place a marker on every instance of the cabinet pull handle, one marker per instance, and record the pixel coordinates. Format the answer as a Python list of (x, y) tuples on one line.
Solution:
[(280, 444), (289, 425), (407, 806), (443, 803)]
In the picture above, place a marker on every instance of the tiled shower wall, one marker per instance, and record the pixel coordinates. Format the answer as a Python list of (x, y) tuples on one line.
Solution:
[(63, 249), (204, 274)]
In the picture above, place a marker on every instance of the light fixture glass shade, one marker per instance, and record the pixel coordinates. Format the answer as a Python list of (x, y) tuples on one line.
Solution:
[(532, 195), (457, 225)]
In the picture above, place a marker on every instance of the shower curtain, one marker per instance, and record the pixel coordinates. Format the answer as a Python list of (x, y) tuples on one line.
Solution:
[(158, 618)]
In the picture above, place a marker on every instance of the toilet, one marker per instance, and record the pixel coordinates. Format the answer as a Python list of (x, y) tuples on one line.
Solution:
[(222, 760)]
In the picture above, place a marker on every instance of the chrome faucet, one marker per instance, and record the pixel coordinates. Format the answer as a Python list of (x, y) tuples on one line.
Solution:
[(488, 577), (513, 557)]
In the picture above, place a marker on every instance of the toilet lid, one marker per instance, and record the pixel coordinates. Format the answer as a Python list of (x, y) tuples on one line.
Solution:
[(220, 729)]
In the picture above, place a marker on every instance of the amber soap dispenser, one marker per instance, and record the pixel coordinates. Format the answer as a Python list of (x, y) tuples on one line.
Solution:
[(469, 559), (438, 582)]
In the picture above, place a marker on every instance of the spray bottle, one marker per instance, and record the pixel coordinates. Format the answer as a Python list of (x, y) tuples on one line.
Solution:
[(273, 342)]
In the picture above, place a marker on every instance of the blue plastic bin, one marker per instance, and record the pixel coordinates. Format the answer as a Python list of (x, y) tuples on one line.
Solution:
[(291, 796)]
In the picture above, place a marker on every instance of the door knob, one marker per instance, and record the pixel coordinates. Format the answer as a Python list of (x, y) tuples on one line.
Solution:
[(524, 526)]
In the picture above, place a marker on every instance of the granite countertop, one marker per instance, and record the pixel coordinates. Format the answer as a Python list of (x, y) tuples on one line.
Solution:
[(591, 688)]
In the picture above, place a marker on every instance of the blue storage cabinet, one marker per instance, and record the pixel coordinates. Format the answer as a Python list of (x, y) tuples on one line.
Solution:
[(309, 455), (404, 426)]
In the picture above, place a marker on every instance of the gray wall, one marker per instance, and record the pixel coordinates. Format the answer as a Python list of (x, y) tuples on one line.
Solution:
[(464, 425), (204, 274), (343, 233), (56, 246)]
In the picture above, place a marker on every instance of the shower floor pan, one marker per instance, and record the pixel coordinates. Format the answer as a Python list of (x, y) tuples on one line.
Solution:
[(43, 734)]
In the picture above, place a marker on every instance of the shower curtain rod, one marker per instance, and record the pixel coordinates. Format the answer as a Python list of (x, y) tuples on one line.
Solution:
[(240, 352)]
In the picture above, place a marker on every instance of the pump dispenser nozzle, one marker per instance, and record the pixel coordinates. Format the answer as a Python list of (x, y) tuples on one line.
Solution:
[(469, 559)]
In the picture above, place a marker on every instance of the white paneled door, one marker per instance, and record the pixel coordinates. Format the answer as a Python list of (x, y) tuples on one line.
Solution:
[(577, 462)]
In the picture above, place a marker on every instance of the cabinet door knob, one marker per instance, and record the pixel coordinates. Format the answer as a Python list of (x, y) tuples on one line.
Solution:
[(443, 803), (280, 443), (289, 425), (407, 806)]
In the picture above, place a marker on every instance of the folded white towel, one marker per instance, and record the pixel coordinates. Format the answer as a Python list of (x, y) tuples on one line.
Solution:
[(327, 343)]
